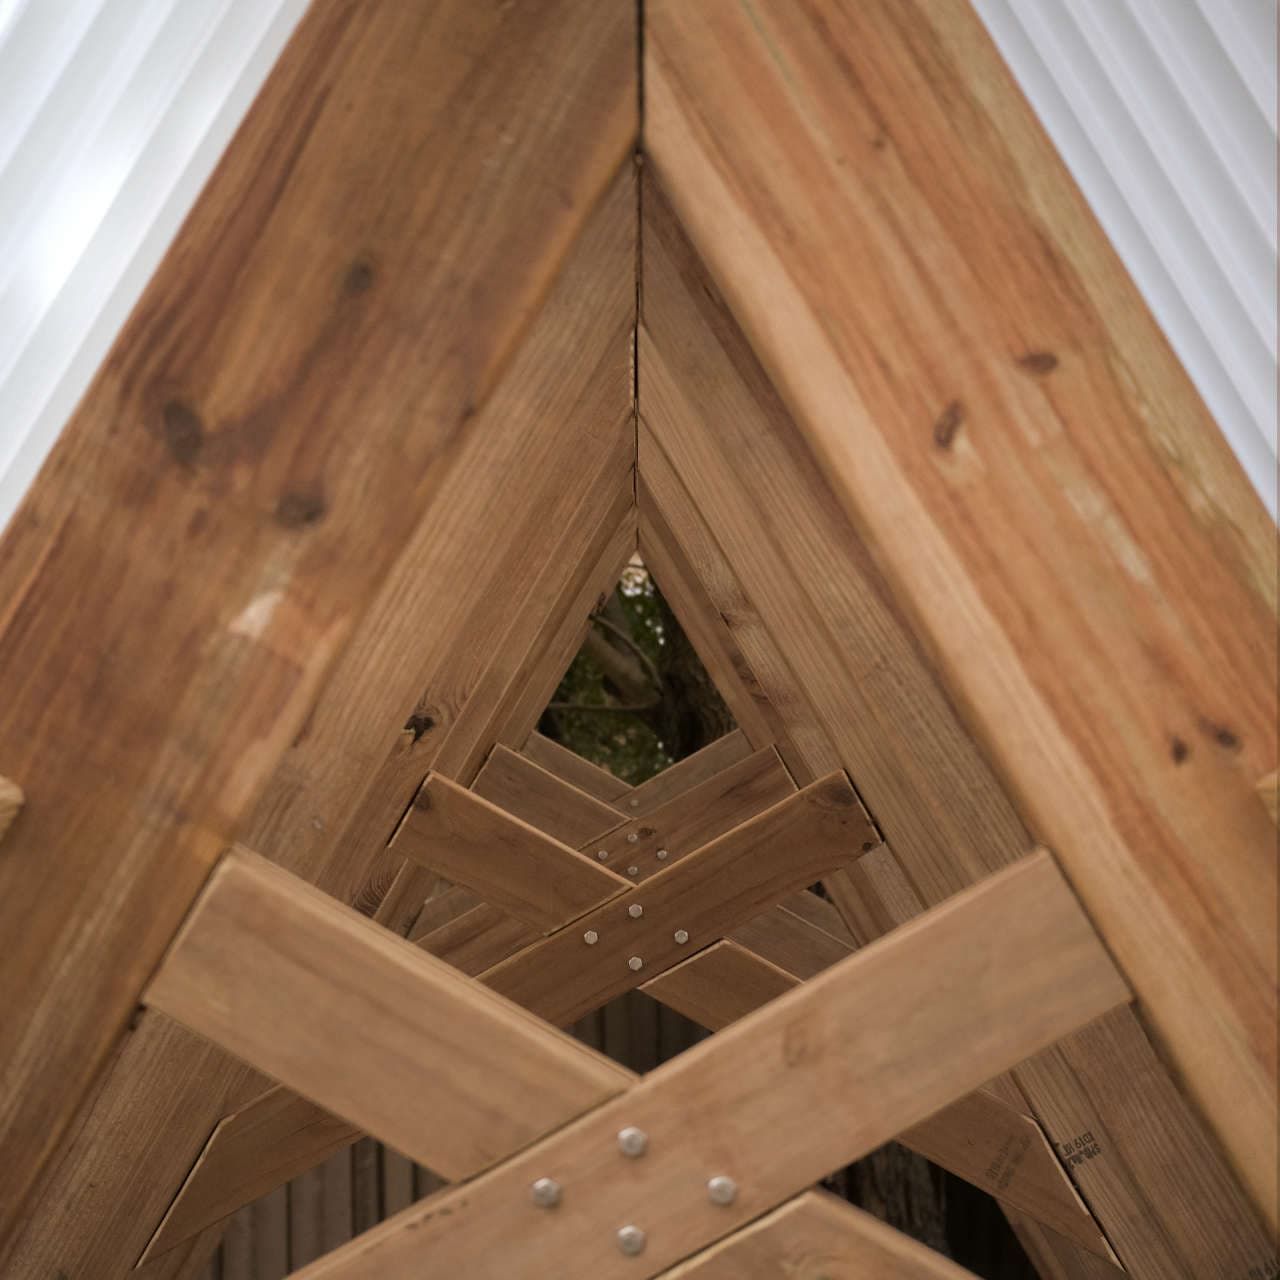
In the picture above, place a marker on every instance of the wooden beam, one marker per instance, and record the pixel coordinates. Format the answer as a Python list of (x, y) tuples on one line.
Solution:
[(935, 1009), (1131, 720), (818, 1235), (980, 1138), (942, 811), (509, 863), (688, 906), (646, 845), (236, 483), (572, 768), (686, 773), (542, 798), (369, 1026)]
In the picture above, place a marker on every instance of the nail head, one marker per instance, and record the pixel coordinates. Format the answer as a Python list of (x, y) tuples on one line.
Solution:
[(603, 855), (722, 1189), (632, 1142), (635, 911), (545, 1193), (633, 871), (682, 936), (632, 838), (631, 1240), (663, 855)]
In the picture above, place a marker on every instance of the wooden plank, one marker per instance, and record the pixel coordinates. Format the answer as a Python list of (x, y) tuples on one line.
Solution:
[(253, 1151), (1054, 1258), (509, 863), (689, 820), (478, 939), (1060, 441), (539, 797), (686, 773), (368, 1026), (236, 483), (935, 1008), (980, 1138), (572, 768), (818, 1235), (937, 792), (730, 879)]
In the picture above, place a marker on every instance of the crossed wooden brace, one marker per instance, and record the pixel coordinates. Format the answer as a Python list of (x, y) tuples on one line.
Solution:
[(724, 882)]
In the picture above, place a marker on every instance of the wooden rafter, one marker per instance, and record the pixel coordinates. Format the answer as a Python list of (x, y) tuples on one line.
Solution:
[(940, 329), (716, 445)]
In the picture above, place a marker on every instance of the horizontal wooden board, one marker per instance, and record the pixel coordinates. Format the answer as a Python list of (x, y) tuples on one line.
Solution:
[(572, 768)]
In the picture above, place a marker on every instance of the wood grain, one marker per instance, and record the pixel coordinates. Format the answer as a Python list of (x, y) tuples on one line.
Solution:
[(686, 773), (744, 453), (818, 1237), (729, 880), (539, 797), (693, 817), (367, 1025), (934, 1009), (508, 862), (572, 768), (233, 488), (1052, 504), (11, 799)]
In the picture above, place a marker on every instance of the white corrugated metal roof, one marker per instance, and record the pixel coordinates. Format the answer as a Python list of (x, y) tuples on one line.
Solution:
[(113, 113)]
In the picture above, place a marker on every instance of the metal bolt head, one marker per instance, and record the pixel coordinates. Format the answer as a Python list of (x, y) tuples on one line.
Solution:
[(632, 1142), (681, 936), (603, 855), (631, 1240), (635, 804), (635, 911), (635, 963), (591, 937), (633, 871), (662, 855), (545, 1193), (632, 838), (722, 1189)]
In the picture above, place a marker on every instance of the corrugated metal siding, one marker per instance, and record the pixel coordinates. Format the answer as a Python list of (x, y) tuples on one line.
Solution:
[(113, 112), (112, 115), (1165, 111)]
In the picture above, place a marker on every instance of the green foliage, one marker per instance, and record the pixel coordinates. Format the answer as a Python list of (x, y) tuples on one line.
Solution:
[(623, 742)]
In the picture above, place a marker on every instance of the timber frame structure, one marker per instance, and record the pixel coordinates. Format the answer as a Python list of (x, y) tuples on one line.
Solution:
[(848, 361)]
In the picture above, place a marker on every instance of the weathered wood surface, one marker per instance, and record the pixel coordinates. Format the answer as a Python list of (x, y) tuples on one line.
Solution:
[(570, 766), (729, 880), (686, 773), (818, 1237), (167, 1089), (936, 1008), (509, 863), (1037, 478), (693, 817), (369, 1026), (811, 583), (538, 796)]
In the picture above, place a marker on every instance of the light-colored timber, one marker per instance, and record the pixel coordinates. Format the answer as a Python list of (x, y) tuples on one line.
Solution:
[(507, 861), (570, 766), (281, 975), (938, 329), (817, 1236), (982, 978), (11, 799)]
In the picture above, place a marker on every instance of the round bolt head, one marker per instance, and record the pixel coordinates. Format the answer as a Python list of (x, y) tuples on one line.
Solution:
[(632, 838), (631, 1240), (635, 963), (682, 936), (635, 804), (722, 1189), (663, 855), (635, 911), (632, 1141), (591, 937), (545, 1193), (633, 871), (603, 855)]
